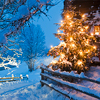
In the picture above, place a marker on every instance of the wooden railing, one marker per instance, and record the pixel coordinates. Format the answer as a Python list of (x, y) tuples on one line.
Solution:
[(9, 79), (60, 78)]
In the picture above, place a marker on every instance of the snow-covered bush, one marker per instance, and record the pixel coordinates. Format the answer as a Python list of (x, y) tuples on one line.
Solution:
[(32, 44), (13, 15)]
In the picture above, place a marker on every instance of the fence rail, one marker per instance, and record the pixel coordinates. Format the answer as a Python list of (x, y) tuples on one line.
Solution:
[(9, 79), (59, 79)]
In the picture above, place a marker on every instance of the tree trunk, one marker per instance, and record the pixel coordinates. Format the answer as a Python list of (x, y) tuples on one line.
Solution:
[(31, 64)]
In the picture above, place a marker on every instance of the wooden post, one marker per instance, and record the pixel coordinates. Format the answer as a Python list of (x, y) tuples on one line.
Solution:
[(12, 77), (42, 77)]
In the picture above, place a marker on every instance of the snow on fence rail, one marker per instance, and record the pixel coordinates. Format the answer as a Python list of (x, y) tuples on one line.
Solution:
[(9, 79), (64, 75)]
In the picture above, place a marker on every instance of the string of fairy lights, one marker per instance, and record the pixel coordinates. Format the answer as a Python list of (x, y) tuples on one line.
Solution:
[(75, 45)]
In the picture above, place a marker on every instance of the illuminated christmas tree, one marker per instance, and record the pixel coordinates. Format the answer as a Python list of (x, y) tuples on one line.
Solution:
[(76, 46)]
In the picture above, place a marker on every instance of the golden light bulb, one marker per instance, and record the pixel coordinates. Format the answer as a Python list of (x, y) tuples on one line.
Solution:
[(83, 15), (82, 30), (70, 23), (62, 55), (87, 42), (94, 47), (61, 24), (51, 46), (59, 59), (63, 44), (61, 21), (91, 34), (73, 45), (86, 27), (81, 53), (71, 38), (87, 51), (79, 62), (58, 31), (54, 61), (74, 56), (96, 33), (67, 16)]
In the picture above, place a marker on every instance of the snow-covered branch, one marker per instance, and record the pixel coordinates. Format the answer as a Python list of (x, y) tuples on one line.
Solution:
[(18, 14), (8, 61)]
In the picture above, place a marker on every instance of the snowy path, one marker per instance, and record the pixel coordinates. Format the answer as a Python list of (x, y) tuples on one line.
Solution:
[(13, 87), (28, 89), (33, 92), (31, 89)]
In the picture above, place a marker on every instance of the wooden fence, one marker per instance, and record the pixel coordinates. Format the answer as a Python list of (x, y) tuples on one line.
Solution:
[(60, 79), (9, 79)]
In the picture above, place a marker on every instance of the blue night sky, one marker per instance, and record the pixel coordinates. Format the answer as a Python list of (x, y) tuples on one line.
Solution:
[(48, 26)]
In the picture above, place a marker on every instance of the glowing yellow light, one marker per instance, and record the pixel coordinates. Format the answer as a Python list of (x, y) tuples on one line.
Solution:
[(82, 30), (96, 33), (74, 57), (62, 55), (79, 62), (61, 24), (63, 44), (67, 16), (70, 23), (59, 59), (83, 15), (86, 27), (51, 46), (87, 42), (58, 31), (94, 47), (81, 53), (87, 51), (91, 34), (71, 38), (73, 45), (61, 21), (54, 61)]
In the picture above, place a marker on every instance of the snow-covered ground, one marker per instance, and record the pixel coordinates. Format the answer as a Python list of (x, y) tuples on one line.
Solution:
[(31, 89), (27, 89)]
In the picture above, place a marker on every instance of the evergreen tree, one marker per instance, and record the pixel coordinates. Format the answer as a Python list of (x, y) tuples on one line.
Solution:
[(76, 47)]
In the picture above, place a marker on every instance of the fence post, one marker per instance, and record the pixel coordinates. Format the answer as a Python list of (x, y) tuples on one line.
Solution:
[(12, 77), (42, 77)]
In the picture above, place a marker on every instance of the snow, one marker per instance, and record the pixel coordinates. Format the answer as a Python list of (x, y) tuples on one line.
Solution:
[(23, 11), (95, 59), (72, 96), (31, 89), (98, 79), (31, 3), (27, 89), (33, 92), (82, 75), (90, 87), (78, 87), (72, 73)]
